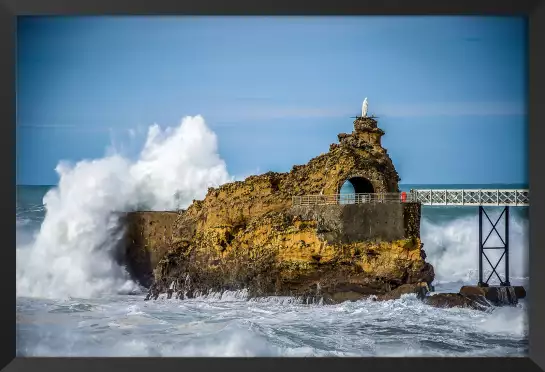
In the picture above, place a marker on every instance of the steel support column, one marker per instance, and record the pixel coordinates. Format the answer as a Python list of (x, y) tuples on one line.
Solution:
[(505, 247)]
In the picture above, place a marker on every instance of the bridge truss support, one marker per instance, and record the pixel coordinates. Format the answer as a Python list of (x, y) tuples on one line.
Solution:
[(482, 248)]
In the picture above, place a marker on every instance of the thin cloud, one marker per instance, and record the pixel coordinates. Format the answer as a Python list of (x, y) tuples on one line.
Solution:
[(261, 112), (235, 115)]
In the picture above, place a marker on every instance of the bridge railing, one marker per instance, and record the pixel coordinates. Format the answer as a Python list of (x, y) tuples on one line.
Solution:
[(305, 200), (465, 197), (471, 197)]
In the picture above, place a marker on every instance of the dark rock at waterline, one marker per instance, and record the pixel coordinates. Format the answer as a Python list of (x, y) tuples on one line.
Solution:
[(479, 298), (426, 274), (520, 292), (420, 289), (341, 291), (353, 292), (470, 297), (497, 295), (447, 300), (153, 293)]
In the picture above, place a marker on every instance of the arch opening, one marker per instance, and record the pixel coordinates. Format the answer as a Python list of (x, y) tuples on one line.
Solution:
[(353, 186), (357, 185)]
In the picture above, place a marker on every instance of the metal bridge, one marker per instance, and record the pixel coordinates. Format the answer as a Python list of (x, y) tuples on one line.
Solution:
[(461, 197), (473, 197), (480, 198)]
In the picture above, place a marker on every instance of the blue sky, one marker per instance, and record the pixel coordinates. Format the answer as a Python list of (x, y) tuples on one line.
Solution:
[(450, 92)]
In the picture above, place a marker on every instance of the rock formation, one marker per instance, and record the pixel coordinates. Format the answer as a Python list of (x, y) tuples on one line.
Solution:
[(249, 235)]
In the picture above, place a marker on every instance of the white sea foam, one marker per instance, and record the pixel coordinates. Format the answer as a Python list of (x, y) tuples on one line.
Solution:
[(452, 248), (207, 327)]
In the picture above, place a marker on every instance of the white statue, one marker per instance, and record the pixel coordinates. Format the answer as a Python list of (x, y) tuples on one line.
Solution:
[(364, 108)]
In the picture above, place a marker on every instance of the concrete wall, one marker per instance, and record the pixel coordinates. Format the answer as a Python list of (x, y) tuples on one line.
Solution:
[(364, 222)]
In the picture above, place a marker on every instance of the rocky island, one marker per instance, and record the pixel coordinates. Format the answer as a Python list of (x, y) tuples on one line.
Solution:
[(289, 234)]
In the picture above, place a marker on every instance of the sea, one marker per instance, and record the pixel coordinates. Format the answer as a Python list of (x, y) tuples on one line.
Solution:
[(74, 299)]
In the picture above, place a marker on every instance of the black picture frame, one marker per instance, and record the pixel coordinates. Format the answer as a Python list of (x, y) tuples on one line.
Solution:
[(533, 9)]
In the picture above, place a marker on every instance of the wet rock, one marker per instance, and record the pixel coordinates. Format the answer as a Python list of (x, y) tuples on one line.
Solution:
[(153, 292), (420, 289), (345, 291), (339, 297), (520, 292), (426, 274), (497, 295), (448, 300)]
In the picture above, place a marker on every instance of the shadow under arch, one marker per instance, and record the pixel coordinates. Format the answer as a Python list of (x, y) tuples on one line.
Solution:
[(359, 185)]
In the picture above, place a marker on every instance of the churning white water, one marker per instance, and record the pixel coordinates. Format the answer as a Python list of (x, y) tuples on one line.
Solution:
[(73, 294), (229, 325), (452, 246)]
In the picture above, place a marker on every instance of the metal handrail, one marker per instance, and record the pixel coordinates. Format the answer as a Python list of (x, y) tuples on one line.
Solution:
[(363, 198)]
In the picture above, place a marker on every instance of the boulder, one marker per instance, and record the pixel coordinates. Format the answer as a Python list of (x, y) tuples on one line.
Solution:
[(446, 300), (497, 295)]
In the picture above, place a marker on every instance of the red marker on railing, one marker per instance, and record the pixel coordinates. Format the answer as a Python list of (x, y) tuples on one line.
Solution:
[(403, 196)]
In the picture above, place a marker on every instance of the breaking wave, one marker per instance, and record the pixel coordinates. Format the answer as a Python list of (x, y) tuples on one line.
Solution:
[(74, 251)]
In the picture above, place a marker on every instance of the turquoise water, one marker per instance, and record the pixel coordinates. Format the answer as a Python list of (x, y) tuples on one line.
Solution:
[(70, 303)]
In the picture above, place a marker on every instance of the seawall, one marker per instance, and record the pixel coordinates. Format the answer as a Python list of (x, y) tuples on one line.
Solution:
[(352, 223)]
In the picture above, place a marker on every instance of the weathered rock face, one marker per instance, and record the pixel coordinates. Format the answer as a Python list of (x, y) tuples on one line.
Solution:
[(151, 236), (248, 234)]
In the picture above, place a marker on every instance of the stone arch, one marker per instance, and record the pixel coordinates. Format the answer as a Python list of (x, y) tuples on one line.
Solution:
[(361, 184)]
